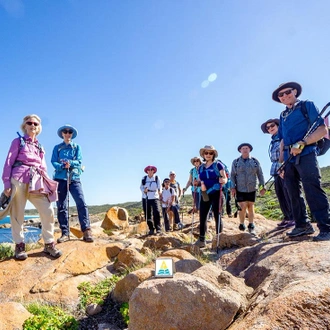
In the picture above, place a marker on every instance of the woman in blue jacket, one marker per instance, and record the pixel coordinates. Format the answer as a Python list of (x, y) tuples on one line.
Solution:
[(66, 159)]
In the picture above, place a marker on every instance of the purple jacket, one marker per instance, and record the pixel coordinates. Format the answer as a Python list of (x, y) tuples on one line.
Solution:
[(23, 158)]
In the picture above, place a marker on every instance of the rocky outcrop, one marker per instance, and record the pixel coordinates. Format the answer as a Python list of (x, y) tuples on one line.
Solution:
[(116, 218), (13, 315)]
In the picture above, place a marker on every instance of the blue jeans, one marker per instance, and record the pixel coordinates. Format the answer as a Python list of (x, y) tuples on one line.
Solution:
[(306, 174), (75, 189)]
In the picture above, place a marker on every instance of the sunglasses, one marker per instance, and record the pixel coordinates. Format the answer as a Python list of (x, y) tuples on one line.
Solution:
[(197, 161), (281, 94), (211, 153), (270, 126), (32, 123), (67, 132)]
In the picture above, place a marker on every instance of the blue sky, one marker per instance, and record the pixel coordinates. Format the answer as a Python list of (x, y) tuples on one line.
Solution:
[(132, 76)]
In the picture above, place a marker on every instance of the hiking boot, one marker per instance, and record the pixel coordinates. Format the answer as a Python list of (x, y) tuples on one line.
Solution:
[(289, 223), (322, 236), (63, 238), (52, 250), (200, 243), (251, 228), (299, 231), (241, 227), (88, 236), (20, 253), (151, 232), (158, 231)]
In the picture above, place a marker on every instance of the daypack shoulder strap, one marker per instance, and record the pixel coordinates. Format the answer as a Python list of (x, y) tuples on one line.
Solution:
[(304, 111), (23, 142)]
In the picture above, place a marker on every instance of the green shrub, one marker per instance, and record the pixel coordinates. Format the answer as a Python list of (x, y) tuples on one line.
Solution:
[(6, 251), (96, 293), (124, 312), (49, 318)]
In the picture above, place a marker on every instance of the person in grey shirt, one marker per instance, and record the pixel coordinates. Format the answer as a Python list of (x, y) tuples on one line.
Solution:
[(246, 176)]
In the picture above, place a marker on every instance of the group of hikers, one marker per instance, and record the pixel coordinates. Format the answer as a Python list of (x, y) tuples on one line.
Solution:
[(293, 152), (25, 179)]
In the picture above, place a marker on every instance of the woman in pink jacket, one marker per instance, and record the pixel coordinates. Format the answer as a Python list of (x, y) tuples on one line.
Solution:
[(25, 179)]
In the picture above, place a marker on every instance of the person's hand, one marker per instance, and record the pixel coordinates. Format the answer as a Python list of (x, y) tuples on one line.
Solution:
[(281, 174), (297, 148), (184, 190), (7, 192), (262, 191), (223, 180), (145, 190), (233, 192)]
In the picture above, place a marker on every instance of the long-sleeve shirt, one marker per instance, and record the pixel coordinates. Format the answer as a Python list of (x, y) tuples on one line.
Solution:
[(246, 174), (20, 158), (153, 186), (274, 154)]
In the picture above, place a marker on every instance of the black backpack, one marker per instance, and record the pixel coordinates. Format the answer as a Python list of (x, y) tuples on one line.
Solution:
[(322, 145), (144, 180)]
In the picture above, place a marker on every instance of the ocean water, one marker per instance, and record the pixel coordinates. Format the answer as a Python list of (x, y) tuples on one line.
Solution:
[(31, 234)]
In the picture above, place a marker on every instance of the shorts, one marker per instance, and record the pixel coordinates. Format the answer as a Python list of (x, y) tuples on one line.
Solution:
[(246, 196)]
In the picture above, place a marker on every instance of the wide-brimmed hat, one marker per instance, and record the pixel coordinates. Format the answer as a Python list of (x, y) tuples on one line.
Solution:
[(208, 148), (68, 127), (150, 167), (264, 125), (291, 84), (192, 160), (244, 145)]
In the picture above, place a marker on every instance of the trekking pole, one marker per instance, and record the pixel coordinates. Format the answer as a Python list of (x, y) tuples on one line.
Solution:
[(68, 195), (193, 216), (182, 204), (219, 219), (311, 130)]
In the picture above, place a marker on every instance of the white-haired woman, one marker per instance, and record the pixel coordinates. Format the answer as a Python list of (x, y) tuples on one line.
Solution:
[(25, 179)]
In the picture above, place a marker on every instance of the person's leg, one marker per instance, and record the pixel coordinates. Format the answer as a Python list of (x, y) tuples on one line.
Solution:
[(165, 217), (156, 213), (250, 208), (17, 211), (78, 196), (283, 197), (215, 202), (228, 203), (46, 212), (62, 207), (203, 212), (294, 187), (315, 196)]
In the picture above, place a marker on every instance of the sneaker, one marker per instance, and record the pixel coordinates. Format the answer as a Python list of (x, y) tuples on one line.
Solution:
[(52, 250), (63, 238), (322, 236), (151, 232), (200, 243), (20, 253), (251, 228), (298, 231), (88, 236), (241, 227), (158, 231)]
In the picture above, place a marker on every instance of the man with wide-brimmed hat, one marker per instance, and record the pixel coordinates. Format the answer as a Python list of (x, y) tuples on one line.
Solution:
[(301, 166), (246, 174), (151, 192), (271, 127)]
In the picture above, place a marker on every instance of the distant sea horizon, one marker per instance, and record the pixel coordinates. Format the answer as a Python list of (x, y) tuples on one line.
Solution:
[(31, 234)]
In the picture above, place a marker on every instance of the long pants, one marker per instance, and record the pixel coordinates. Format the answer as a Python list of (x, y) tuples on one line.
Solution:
[(227, 197), (154, 205), (197, 199), (306, 174), (76, 191), (204, 210), (43, 206), (283, 197), (175, 211)]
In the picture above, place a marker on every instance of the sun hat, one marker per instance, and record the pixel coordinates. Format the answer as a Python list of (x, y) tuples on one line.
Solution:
[(150, 167), (263, 126), (244, 145), (166, 179), (172, 172), (192, 160), (67, 126), (291, 84), (208, 148)]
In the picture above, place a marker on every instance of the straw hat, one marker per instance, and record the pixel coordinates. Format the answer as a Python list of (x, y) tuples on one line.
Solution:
[(192, 160)]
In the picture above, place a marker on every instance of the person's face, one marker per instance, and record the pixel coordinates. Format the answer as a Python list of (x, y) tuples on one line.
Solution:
[(287, 96), (245, 151), (208, 155), (172, 177), (197, 162), (272, 128), (67, 134), (32, 126), (150, 172), (166, 184)]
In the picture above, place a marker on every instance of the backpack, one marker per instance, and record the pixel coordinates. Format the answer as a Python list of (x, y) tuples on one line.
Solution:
[(23, 142), (215, 167), (322, 145), (144, 180)]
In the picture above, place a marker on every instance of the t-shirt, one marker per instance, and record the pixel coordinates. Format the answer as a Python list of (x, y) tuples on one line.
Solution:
[(209, 175), (167, 196)]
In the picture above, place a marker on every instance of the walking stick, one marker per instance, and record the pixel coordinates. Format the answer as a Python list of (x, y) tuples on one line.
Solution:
[(193, 215), (219, 218), (68, 195)]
